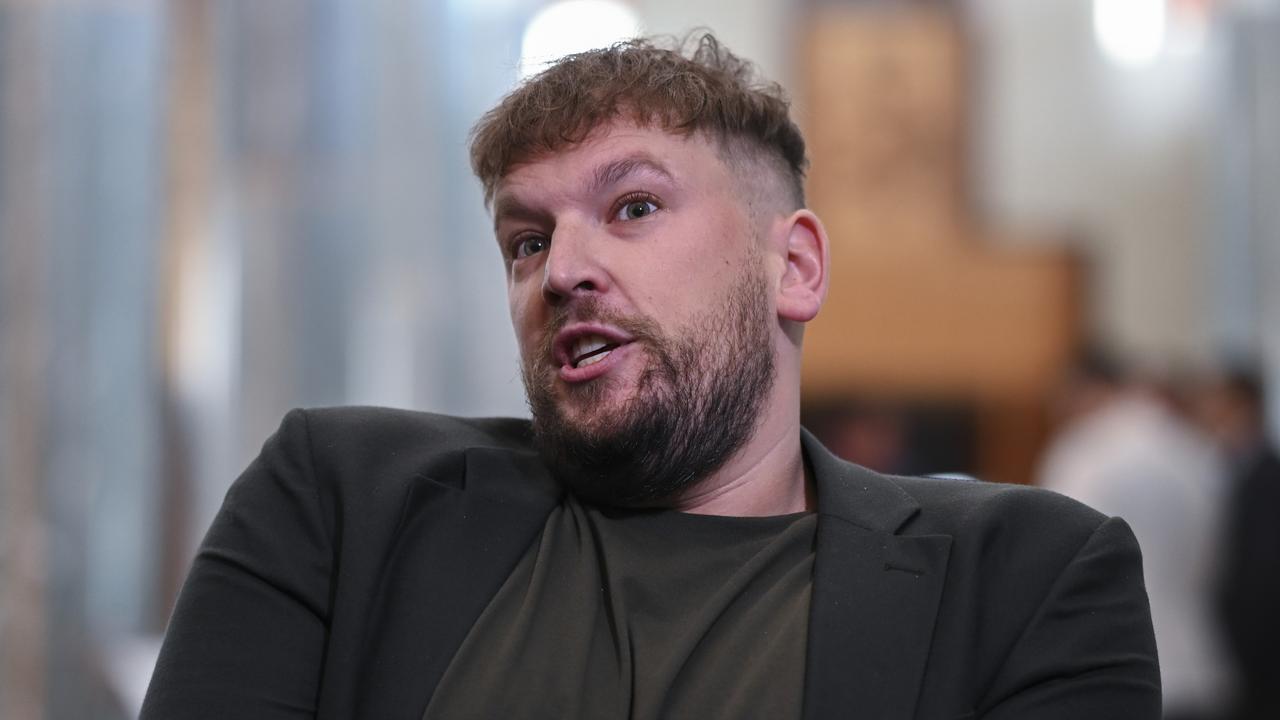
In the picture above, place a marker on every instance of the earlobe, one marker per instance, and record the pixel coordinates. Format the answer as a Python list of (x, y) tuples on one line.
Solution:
[(803, 285)]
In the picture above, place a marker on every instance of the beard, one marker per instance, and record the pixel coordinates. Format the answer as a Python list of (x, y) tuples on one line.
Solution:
[(696, 403)]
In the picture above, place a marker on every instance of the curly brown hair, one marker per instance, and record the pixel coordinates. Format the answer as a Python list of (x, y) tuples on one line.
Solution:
[(694, 86)]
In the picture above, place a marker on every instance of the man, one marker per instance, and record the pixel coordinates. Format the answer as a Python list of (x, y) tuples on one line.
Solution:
[(1232, 407), (1125, 450), (664, 540)]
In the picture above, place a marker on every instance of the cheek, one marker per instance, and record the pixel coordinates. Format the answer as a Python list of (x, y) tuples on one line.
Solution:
[(522, 323), (530, 318), (681, 305)]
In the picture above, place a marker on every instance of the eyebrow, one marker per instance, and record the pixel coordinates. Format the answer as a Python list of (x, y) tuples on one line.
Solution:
[(509, 206), (613, 172)]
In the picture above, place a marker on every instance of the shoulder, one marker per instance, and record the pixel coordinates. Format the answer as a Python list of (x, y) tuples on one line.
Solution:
[(1024, 549), (1012, 531), (355, 455), (958, 506), (1037, 586), (996, 533), (356, 429), (1018, 533), (367, 437)]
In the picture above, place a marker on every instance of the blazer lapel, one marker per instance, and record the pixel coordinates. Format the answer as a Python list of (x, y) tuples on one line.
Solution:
[(504, 499), (875, 595)]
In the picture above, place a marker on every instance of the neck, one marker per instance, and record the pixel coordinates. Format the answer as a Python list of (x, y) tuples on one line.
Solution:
[(767, 476)]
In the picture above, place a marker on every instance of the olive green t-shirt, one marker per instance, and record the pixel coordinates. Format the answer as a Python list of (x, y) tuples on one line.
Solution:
[(642, 614)]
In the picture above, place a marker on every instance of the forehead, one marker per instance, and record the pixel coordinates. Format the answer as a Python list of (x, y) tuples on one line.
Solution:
[(614, 152)]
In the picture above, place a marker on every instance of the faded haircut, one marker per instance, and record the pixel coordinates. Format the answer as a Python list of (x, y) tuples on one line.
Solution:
[(682, 87)]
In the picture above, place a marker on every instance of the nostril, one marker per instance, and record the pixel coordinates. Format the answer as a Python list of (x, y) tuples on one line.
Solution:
[(550, 295), (554, 296)]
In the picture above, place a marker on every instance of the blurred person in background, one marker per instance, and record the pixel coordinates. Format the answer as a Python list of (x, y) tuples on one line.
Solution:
[(1232, 408), (663, 539), (1124, 450)]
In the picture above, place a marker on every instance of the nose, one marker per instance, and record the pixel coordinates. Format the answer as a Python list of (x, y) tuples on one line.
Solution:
[(573, 266)]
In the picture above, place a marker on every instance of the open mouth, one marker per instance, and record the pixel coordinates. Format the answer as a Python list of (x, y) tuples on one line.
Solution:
[(581, 345), (590, 349)]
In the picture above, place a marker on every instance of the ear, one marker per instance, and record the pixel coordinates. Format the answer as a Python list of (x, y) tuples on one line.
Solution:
[(803, 285)]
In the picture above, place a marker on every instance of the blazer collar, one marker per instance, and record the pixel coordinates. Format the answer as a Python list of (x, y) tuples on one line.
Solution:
[(846, 491), (484, 505), (875, 595), (875, 592), (855, 494)]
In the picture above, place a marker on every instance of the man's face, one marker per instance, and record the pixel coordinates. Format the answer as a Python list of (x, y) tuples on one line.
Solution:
[(641, 307)]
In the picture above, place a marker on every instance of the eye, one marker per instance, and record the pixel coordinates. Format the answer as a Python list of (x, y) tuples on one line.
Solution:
[(529, 245), (635, 209)]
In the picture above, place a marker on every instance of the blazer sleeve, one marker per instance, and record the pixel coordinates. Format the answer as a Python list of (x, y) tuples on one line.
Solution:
[(247, 636), (1089, 650)]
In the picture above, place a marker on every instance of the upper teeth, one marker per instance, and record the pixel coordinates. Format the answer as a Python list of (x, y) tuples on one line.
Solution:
[(586, 345)]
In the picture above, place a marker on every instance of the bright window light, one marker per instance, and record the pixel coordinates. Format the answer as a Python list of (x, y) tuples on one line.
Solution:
[(572, 26), (1130, 32)]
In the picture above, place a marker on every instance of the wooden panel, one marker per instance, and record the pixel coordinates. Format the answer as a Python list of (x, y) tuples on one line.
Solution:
[(885, 108), (965, 324), (922, 305), (1011, 436)]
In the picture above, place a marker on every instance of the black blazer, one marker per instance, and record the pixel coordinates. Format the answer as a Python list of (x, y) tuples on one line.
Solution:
[(352, 557)]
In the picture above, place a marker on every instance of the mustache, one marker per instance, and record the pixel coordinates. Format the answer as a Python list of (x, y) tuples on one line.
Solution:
[(641, 328)]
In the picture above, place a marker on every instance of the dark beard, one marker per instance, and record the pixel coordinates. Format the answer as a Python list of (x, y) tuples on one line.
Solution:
[(695, 405)]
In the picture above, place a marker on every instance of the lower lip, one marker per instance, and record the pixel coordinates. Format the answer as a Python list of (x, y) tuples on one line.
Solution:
[(571, 374)]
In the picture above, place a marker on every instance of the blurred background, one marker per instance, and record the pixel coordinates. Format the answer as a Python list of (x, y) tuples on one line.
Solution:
[(1054, 223)]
